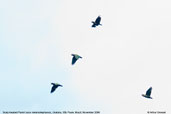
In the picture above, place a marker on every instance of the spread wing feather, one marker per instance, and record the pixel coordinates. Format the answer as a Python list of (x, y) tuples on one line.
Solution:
[(53, 89), (98, 20), (148, 92), (73, 60)]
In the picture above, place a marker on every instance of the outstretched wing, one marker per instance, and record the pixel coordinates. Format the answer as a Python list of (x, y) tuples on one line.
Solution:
[(53, 88), (148, 92), (98, 20), (73, 60), (93, 25)]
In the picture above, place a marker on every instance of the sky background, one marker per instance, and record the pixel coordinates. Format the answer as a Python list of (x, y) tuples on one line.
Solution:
[(125, 56)]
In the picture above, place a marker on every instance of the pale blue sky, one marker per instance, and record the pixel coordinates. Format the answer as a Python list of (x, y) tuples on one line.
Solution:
[(28, 63), (121, 59)]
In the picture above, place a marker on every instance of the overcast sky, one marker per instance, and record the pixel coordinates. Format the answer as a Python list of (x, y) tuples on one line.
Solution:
[(125, 56)]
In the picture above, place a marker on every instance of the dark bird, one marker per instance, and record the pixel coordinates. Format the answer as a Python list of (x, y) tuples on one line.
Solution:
[(97, 22), (148, 93), (75, 58), (55, 85)]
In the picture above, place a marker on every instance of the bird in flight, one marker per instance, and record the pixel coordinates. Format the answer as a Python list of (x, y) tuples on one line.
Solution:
[(55, 85), (97, 22), (75, 58), (148, 93)]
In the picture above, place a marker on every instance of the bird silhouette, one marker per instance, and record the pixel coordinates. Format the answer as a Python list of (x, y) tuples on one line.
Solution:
[(55, 85), (148, 93), (97, 22), (75, 58)]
